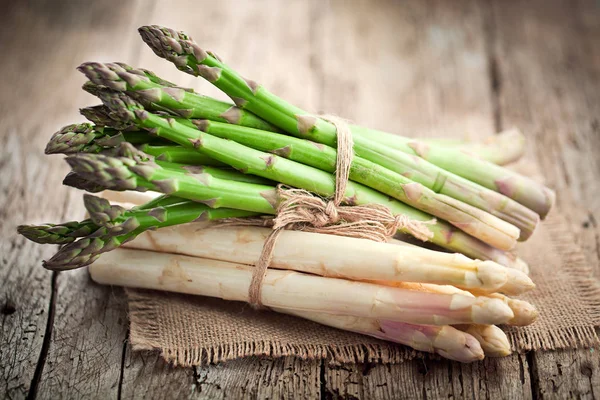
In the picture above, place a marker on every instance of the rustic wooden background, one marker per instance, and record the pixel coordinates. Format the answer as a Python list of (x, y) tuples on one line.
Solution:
[(412, 67)]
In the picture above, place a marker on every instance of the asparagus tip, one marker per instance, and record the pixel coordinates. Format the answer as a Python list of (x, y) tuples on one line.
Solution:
[(458, 346), (490, 311), (518, 282), (525, 313), (492, 339)]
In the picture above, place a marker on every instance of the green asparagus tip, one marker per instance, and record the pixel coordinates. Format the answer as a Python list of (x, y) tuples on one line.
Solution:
[(122, 107), (45, 234), (91, 88), (81, 253), (172, 45), (57, 233), (111, 75), (78, 182), (115, 173), (100, 210), (72, 139)]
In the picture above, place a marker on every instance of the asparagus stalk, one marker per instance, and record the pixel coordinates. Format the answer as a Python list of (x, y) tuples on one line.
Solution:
[(473, 221), (500, 149), (178, 154), (293, 290), (189, 57), (122, 173), (444, 340), (117, 227), (524, 190), (336, 256)]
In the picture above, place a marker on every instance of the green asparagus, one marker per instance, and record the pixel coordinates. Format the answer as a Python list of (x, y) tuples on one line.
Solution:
[(119, 228), (292, 120)]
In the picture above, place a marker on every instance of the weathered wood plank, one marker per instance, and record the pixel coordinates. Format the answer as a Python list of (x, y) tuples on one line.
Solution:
[(427, 379), (147, 376), (83, 358), (260, 378), (27, 182), (548, 73)]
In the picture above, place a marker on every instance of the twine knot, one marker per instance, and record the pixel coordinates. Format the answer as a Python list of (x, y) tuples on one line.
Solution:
[(302, 210)]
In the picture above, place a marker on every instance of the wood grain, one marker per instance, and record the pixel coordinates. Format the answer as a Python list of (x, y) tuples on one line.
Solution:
[(415, 68)]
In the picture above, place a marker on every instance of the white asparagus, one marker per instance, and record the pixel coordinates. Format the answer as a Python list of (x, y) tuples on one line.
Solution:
[(129, 196), (524, 312), (336, 256), (293, 290), (444, 340), (516, 263), (492, 339)]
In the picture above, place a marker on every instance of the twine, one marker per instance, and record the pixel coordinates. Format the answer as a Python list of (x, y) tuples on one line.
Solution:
[(302, 210)]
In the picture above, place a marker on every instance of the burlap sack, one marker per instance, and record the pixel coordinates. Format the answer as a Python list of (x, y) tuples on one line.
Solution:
[(193, 330)]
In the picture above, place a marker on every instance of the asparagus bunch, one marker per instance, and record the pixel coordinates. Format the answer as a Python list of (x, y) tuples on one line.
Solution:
[(211, 160)]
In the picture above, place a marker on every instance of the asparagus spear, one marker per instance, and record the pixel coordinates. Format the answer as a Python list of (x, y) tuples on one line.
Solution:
[(337, 256), (117, 227), (500, 149), (444, 340), (294, 290), (122, 173), (69, 231), (88, 138), (57, 233), (189, 57)]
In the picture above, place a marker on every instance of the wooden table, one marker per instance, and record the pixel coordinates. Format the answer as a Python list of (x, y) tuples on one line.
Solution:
[(412, 67)]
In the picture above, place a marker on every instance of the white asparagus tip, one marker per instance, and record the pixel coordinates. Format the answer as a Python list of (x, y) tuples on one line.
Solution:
[(493, 340), (443, 340), (525, 312), (458, 346), (489, 311), (518, 282)]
